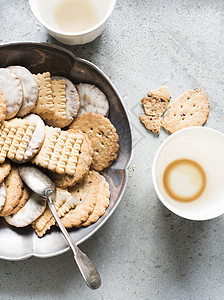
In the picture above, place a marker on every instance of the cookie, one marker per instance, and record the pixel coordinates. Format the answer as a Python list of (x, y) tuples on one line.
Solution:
[(45, 103), (65, 152), (92, 99), (64, 202), (36, 139), (33, 208), (43, 222), (2, 194), (14, 191), (22, 200), (2, 107), (102, 199), (151, 123), (30, 89), (14, 138), (62, 180), (191, 108), (103, 136), (46, 220), (85, 194), (5, 169), (12, 90), (72, 103), (157, 102), (162, 93)]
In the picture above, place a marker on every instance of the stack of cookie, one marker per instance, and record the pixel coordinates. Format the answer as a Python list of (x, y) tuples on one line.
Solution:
[(72, 157)]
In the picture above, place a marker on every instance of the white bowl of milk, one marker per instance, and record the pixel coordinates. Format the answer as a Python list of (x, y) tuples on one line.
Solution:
[(73, 22)]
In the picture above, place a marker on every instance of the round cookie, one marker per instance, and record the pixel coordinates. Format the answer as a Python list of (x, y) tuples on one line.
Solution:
[(22, 201), (33, 208), (14, 191), (85, 194), (12, 90), (72, 97), (102, 199), (103, 136), (30, 89), (92, 99), (5, 169)]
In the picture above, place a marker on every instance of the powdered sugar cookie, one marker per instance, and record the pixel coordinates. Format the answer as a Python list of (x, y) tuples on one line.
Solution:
[(12, 90), (36, 139), (33, 208), (151, 123), (30, 89), (92, 99)]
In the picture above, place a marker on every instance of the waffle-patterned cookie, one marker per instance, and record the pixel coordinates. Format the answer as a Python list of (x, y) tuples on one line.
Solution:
[(65, 152)]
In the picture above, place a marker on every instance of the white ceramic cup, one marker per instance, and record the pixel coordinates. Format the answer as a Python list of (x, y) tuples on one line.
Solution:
[(206, 147), (43, 10)]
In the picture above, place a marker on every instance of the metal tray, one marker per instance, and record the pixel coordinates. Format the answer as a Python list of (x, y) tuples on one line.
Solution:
[(21, 243)]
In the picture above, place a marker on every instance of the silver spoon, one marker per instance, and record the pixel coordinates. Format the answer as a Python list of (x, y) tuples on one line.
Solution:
[(42, 185)]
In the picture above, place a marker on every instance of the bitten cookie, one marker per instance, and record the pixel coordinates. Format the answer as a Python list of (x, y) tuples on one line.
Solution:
[(103, 136), (151, 123), (191, 108), (154, 106)]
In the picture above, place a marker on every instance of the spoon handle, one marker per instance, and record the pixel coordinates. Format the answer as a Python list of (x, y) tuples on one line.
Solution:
[(86, 267)]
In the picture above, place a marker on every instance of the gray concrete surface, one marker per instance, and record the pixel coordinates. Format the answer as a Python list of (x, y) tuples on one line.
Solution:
[(143, 251)]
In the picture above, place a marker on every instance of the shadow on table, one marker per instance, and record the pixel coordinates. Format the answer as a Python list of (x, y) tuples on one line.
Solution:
[(183, 242), (44, 277)]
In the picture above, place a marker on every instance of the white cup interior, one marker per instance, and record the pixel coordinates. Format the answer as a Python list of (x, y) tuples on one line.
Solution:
[(44, 12), (206, 147)]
